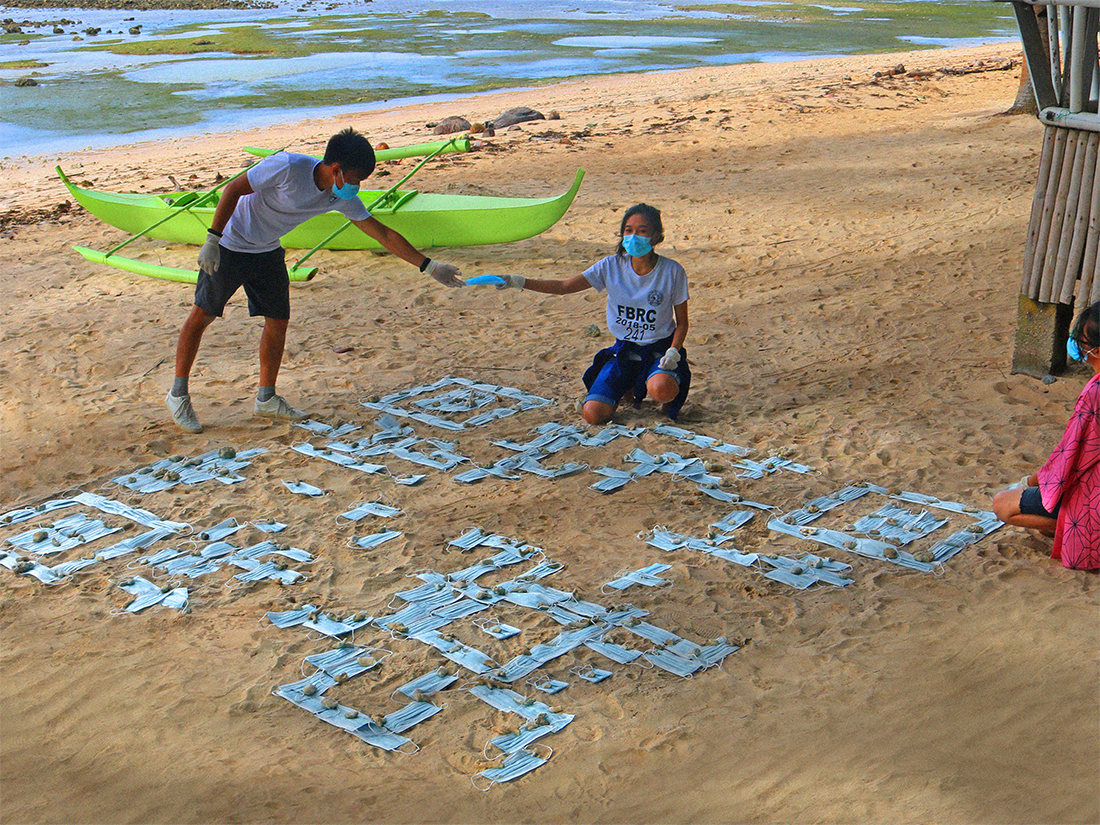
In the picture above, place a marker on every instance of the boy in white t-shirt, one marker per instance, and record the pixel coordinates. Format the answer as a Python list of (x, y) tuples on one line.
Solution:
[(647, 312), (243, 249)]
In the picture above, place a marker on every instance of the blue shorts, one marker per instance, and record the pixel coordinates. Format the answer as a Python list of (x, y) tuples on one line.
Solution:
[(1031, 504), (613, 382), (263, 276)]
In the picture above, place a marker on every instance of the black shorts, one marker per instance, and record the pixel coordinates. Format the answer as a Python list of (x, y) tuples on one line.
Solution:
[(1031, 504), (263, 276)]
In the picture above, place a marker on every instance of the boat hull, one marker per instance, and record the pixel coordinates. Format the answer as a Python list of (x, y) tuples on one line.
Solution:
[(426, 220)]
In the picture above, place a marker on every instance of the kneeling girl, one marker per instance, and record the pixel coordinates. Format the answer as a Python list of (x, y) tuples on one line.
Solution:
[(647, 312)]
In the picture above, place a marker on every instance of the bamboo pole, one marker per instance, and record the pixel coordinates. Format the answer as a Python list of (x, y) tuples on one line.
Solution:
[(1076, 247), (1053, 23), (1064, 267), (1057, 215), (1091, 257), (1076, 55), (1089, 58), (1037, 210), (1095, 283), (1057, 154), (1065, 37), (1090, 261)]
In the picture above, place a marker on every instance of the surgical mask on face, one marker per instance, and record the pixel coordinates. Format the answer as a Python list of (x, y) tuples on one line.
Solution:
[(345, 192), (1074, 351), (637, 246)]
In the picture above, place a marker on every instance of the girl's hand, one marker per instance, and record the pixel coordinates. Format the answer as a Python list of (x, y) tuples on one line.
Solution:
[(670, 360), (512, 282)]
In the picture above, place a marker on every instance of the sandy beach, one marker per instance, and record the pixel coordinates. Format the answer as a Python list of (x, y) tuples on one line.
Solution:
[(853, 245)]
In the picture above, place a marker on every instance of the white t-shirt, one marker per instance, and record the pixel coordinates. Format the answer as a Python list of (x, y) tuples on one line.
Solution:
[(284, 196), (640, 308)]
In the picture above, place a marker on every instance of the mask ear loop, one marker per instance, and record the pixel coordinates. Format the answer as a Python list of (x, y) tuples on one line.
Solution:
[(389, 604), (241, 584), (648, 664), (485, 751), (199, 538), (487, 788), (347, 519), (538, 683), (407, 753), (396, 635), (579, 671)]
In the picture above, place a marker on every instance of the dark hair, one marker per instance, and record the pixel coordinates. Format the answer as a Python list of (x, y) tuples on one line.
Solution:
[(1086, 329), (352, 151), (652, 216)]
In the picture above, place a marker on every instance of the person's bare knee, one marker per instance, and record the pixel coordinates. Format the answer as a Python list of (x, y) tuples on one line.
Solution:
[(198, 320), (1006, 504), (662, 388), (596, 412)]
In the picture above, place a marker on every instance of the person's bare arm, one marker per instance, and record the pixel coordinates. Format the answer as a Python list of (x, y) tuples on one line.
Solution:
[(233, 192), (578, 283), (395, 242), (680, 335), (391, 240)]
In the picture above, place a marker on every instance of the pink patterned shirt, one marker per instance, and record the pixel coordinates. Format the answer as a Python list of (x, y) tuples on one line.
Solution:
[(1072, 476)]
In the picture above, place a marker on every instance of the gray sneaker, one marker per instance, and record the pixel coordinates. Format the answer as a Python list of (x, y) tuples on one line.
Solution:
[(183, 413), (276, 407)]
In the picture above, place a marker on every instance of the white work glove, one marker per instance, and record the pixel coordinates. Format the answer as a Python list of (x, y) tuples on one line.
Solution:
[(512, 282), (670, 360), (446, 274), (210, 255)]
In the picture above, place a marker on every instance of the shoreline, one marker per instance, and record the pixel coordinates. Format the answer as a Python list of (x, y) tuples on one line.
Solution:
[(402, 115), (258, 118)]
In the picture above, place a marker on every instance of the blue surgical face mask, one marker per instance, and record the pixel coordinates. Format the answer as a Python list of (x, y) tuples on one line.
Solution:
[(637, 246), (347, 191), (1075, 352)]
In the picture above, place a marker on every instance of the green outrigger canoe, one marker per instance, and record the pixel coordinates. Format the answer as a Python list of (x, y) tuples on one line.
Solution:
[(425, 219)]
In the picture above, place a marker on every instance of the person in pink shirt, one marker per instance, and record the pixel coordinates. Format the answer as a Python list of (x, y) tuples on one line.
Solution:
[(1062, 499)]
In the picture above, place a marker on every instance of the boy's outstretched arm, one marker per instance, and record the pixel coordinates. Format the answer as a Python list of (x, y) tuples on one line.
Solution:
[(395, 242)]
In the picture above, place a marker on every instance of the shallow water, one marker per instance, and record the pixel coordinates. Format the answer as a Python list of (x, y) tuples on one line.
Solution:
[(116, 86)]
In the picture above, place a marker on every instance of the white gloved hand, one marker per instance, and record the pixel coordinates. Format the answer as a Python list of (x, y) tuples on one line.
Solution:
[(210, 255), (670, 360), (512, 282), (446, 274)]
